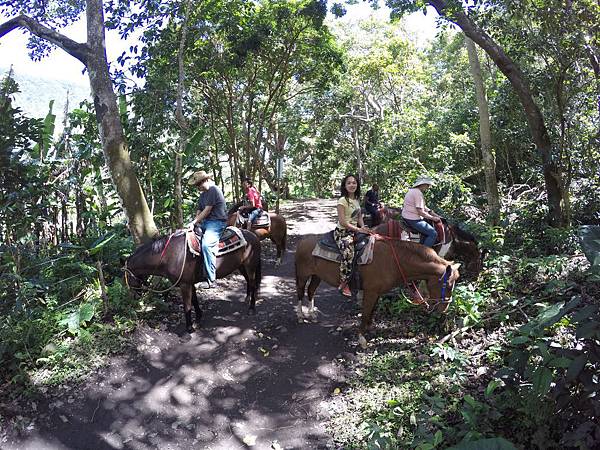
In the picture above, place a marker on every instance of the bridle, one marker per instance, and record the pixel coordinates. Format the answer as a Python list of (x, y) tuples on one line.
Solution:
[(144, 286), (422, 301)]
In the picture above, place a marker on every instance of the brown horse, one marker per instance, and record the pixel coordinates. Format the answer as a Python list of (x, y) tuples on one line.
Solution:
[(394, 262), (169, 257), (457, 244), (277, 230)]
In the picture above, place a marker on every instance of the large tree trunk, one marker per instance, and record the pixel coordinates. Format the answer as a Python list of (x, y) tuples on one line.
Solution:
[(114, 144), (535, 120), (181, 120), (489, 160), (93, 56)]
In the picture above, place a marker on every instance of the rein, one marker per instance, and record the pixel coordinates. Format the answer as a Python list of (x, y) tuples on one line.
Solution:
[(144, 287), (444, 279)]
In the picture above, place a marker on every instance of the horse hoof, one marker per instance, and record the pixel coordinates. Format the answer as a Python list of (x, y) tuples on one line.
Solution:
[(362, 342), (277, 263), (190, 329)]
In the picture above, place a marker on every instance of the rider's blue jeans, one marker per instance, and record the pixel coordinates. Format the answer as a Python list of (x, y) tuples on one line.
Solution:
[(211, 229), (254, 214), (424, 228)]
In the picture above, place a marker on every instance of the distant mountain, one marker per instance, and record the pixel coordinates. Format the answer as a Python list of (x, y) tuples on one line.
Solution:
[(37, 91)]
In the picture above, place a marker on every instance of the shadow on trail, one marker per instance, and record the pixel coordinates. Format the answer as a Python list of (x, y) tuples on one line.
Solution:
[(238, 381)]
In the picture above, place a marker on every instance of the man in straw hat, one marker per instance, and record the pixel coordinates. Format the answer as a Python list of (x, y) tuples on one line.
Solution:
[(415, 212), (211, 216)]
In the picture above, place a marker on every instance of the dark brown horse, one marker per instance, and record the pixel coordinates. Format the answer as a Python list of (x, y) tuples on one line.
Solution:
[(454, 242), (169, 257), (277, 230), (395, 262)]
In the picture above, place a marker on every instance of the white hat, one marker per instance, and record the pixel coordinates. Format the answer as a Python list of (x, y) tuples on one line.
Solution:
[(423, 180)]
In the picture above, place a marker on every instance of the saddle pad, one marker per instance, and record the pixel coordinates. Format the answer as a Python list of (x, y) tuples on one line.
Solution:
[(334, 255), (230, 240), (262, 221)]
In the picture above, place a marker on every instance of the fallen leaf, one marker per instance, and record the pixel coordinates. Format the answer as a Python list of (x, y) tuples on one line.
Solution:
[(336, 391), (249, 440)]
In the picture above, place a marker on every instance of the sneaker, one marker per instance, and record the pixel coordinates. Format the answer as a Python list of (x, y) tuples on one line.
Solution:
[(206, 285), (345, 290)]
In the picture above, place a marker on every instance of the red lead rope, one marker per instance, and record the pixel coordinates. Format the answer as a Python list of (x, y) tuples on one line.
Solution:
[(388, 240), (165, 249)]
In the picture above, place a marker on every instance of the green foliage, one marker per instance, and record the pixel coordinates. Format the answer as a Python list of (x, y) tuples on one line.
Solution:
[(589, 237)]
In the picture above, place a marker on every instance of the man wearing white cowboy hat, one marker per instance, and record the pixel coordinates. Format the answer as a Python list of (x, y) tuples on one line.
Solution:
[(211, 216), (414, 211)]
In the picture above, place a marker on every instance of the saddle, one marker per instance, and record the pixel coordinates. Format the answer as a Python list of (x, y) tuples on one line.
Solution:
[(262, 221), (327, 249), (407, 233), (230, 240)]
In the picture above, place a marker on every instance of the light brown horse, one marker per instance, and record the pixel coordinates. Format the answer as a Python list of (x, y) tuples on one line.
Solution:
[(169, 257), (395, 262), (277, 230)]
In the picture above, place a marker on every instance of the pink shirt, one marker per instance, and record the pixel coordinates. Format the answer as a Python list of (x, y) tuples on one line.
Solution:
[(414, 199), (253, 197)]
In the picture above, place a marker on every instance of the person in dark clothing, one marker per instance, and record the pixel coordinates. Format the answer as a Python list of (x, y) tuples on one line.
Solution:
[(373, 205)]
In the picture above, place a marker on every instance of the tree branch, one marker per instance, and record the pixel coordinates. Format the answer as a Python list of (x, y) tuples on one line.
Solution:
[(75, 49)]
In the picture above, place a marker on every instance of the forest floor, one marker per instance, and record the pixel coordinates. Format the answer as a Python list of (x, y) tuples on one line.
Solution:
[(262, 381)]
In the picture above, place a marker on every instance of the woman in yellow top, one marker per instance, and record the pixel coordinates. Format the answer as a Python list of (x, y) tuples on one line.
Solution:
[(350, 221)]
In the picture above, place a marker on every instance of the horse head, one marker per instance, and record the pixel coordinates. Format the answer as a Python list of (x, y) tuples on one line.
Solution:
[(465, 247), (440, 289)]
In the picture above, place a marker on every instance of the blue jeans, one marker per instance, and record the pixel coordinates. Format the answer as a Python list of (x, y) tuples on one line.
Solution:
[(424, 228), (211, 229), (254, 214)]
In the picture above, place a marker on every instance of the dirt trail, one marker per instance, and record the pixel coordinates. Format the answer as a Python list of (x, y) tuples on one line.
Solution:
[(239, 381)]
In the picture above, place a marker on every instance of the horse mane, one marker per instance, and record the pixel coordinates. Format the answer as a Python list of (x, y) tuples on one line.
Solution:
[(464, 234), (234, 208), (410, 249), (157, 245)]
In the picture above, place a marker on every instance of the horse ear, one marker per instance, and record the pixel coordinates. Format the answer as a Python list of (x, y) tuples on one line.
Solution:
[(122, 260)]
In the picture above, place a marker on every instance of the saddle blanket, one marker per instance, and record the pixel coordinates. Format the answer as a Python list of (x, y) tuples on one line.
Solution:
[(262, 221), (230, 240), (329, 254)]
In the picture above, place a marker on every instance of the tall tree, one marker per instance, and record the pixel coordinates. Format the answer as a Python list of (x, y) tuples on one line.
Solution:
[(489, 163), (453, 11), (93, 56)]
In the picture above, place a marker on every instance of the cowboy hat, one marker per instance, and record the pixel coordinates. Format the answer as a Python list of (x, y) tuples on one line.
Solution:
[(198, 177), (423, 180)]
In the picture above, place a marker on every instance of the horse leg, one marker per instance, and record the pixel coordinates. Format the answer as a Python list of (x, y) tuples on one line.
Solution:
[(244, 272), (254, 284), (312, 288), (196, 306), (186, 295), (369, 302), (300, 288), (279, 251)]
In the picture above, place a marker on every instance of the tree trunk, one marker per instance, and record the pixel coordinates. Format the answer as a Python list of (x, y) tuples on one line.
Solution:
[(489, 160), (181, 120), (93, 56), (141, 224), (535, 120)]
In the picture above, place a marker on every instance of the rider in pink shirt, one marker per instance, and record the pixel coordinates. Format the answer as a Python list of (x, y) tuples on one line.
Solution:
[(255, 203), (415, 212)]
